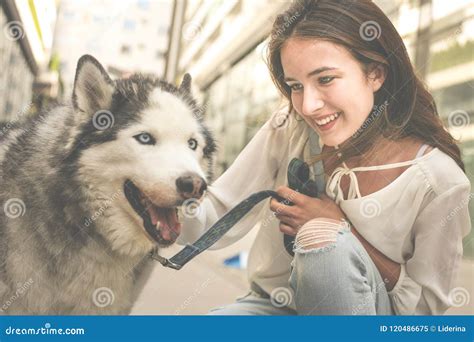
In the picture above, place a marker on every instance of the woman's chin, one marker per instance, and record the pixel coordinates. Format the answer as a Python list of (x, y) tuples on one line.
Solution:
[(334, 136), (331, 141)]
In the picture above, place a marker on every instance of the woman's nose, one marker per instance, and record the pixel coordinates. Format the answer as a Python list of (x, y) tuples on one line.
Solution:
[(312, 103)]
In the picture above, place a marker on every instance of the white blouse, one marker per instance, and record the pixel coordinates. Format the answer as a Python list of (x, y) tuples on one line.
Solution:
[(418, 220)]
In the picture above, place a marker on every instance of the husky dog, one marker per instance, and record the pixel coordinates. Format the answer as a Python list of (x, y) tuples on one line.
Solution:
[(89, 189)]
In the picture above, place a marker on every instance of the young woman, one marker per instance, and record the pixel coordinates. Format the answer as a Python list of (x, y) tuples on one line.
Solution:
[(386, 238)]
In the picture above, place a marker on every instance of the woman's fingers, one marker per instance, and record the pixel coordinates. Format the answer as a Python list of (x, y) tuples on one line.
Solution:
[(285, 215), (290, 195), (284, 228), (288, 225), (290, 221), (280, 208)]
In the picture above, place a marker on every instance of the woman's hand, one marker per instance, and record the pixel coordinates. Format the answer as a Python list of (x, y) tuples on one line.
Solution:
[(305, 208)]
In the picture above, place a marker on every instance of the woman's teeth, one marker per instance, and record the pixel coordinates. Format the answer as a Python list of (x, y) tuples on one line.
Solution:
[(327, 119)]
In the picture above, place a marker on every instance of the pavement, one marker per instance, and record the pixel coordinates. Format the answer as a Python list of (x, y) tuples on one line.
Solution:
[(205, 283)]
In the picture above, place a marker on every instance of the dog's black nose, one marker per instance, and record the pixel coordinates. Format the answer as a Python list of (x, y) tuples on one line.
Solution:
[(191, 185)]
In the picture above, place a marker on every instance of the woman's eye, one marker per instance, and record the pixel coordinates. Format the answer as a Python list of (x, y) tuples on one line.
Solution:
[(145, 139), (295, 87), (325, 80), (193, 144)]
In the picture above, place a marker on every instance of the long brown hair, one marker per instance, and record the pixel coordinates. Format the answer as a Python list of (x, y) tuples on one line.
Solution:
[(403, 106)]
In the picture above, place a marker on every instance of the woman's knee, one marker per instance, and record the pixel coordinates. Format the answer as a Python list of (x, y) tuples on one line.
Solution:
[(326, 248), (321, 235), (331, 271)]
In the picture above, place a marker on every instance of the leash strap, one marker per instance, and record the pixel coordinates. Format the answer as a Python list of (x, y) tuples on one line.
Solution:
[(213, 234), (298, 179)]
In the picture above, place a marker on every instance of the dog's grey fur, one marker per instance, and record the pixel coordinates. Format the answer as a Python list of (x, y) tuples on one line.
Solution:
[(76, 234)]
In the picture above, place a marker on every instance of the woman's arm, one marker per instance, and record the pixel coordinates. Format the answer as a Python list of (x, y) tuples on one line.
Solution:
[(388, 269)]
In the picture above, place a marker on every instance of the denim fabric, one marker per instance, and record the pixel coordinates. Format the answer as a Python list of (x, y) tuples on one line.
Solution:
[(253, 304), (336, 279)]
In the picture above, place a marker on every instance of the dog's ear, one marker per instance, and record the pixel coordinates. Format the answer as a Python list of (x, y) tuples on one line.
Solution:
[(93, 88), (186, 84)]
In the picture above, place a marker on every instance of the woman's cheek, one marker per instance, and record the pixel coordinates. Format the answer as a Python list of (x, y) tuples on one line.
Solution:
[(296, 102)]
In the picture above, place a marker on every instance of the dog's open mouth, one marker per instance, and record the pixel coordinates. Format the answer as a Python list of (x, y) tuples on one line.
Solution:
[(160, 223)]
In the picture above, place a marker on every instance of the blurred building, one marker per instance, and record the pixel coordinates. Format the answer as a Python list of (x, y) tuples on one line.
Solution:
[(125, 36), (223, 44), (25, 50), (223, 49)]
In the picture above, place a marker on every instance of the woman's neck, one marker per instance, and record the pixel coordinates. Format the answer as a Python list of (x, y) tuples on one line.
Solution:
[(383, 151)]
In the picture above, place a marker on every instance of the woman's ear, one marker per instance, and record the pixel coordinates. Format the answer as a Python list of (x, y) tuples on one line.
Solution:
[(376, 77)]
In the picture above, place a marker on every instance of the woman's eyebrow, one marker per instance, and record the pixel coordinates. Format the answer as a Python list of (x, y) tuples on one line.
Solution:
[(314, 72)]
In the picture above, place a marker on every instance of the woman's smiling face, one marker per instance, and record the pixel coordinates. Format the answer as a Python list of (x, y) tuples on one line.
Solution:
[(329, 88)]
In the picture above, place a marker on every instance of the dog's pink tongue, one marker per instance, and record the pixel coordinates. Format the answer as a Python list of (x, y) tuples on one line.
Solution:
[(169, 226), (173, 222)]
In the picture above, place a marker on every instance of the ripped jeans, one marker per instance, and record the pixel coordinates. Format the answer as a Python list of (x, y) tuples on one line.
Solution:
[(331, 274)]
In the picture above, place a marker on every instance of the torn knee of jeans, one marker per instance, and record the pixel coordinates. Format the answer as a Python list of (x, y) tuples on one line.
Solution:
[(318, 233)]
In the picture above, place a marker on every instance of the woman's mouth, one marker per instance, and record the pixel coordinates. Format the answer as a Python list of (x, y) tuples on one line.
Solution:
[(328, 122)]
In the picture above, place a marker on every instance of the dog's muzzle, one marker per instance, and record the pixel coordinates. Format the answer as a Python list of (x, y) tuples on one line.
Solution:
[(160, 223)]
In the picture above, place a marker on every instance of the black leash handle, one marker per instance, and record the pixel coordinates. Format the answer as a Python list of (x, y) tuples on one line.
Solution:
[(299, 180)]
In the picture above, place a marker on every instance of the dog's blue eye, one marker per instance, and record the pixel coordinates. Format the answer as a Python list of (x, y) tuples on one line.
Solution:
[(193, 144), (145, 139)]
